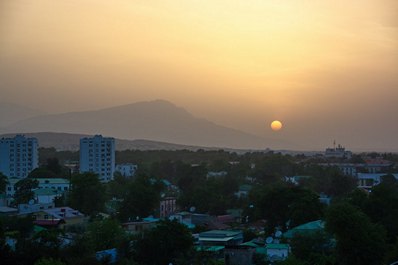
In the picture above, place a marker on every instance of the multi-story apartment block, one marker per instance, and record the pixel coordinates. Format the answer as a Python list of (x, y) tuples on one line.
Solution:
[(18, 156), (97, 155)]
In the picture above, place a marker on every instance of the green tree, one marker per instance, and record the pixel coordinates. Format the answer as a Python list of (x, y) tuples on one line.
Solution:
[(49, 261), (142, 198), (24, 190), (87, 193), (359, 241), (283, 204), (3, 182), (168, 242), (104, 234), (382, 206)]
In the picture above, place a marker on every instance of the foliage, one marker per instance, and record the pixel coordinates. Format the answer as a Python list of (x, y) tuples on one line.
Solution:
[(168, 242), (315, 248), (143, 196), (358, 240), (87, 194), (23, 190), (48, 261), (104, 234), (3, 182), (285, 205)]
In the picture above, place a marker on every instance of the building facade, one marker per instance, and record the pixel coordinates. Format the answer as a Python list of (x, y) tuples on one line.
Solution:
[(126, 170), (18, 156), (97, 155)]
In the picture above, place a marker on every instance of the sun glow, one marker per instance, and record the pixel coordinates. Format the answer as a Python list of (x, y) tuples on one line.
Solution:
[(276, 125)]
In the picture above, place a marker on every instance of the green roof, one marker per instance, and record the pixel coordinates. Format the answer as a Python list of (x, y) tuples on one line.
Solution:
[(277, 246), (305, 228), (209, 248), (46, 192), (245, 187)]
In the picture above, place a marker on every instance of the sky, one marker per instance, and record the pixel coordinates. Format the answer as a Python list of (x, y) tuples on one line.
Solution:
[(327, 69)]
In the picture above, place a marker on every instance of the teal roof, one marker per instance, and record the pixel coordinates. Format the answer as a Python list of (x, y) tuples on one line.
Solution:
[(209, 248), (305, 228), (277, 246), (46, 192), (245, 187), (52, 180)]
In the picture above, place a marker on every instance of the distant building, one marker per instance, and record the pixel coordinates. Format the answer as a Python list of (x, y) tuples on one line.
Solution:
[(97, 155), (126, 170), (168, 206), (337, 152), (221, 238), (18, 156)]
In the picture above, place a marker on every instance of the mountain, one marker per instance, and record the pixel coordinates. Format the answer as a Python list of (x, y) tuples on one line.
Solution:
[(70, 142), (155, 120), (10, 113)]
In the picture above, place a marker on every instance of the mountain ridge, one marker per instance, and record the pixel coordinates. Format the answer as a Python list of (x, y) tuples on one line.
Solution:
[(157, 120)]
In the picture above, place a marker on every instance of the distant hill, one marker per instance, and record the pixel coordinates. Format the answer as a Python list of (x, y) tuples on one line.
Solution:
[(70, 142), (158, 120), (10, 113)]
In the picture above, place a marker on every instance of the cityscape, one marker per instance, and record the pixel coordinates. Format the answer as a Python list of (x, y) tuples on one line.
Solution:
[(174, 132)]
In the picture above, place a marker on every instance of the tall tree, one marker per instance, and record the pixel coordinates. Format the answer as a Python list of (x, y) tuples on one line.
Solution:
[(142, 198), (24, 190), (3, 182), (169, 242), (87, 193), (359, 241)]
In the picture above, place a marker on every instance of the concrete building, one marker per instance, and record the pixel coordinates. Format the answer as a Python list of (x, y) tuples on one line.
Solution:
[(337, 152), (97, 155), (18, 156), (126, 170)]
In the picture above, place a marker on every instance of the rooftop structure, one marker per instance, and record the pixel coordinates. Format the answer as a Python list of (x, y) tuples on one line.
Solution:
[(97, 155), (18, 156)]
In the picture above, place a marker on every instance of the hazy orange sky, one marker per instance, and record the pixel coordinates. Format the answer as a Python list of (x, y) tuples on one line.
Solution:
[(327, 69)]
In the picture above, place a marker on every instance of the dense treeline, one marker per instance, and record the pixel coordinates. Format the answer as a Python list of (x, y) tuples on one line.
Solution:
[(361, 227)]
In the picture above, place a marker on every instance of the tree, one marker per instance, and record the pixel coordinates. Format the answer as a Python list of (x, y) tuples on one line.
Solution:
[(143, 196), (282, 204), (23, 190), (169, 242), (48, 261), (104, 234), (359, 241), (3, 182), (87, 193)]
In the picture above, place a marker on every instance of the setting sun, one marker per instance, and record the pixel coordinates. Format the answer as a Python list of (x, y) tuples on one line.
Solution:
[(276, 125)]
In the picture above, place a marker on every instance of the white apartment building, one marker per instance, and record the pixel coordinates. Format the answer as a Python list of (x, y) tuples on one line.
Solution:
[(97, 155), (127, 169), (18, 156)]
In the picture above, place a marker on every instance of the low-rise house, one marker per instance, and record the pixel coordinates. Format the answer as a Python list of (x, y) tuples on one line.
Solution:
[(305, 229), (46, 195), (277, 252), (126, 170), (59, 184), (139, 226), (368, 180), (243, 191), (216, 174), (236, 255), (221, 238), (59, 216), (8, 211)]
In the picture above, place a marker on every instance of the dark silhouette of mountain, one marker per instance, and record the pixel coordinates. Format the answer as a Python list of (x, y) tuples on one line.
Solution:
[(70, 142), (10, 113), (155, 120)]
